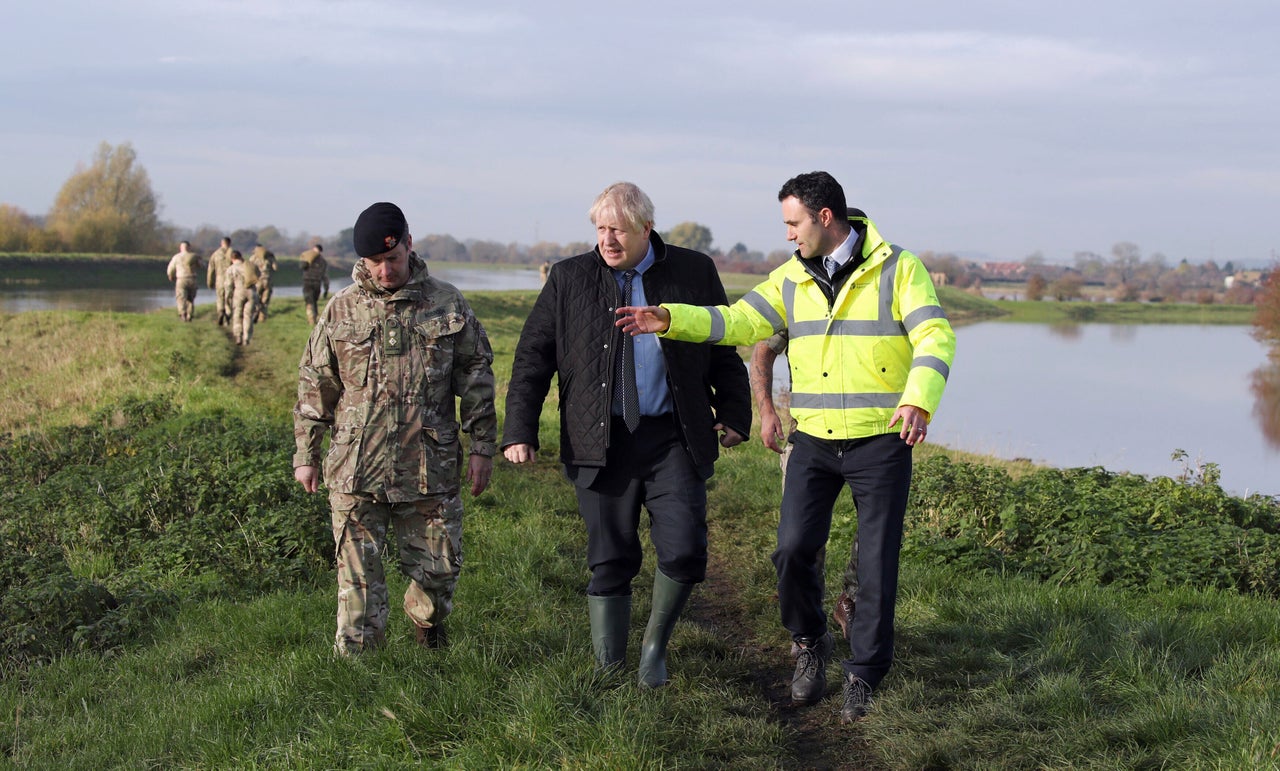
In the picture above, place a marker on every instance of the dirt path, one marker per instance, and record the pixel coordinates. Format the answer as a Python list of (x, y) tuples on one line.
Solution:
[(816, 739)]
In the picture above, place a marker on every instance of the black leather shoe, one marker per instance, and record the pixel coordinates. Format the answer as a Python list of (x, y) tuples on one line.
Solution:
[(857, 699), (433, 637), (809, 682)]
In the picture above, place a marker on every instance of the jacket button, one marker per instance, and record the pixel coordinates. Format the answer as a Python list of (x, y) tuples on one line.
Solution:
[(824, 374)]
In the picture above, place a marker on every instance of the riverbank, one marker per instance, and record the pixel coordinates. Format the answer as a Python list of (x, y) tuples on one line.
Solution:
[(1046, 618)]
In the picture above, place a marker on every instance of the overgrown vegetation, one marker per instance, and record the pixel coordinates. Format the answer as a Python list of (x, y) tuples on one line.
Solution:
[(167, 601)]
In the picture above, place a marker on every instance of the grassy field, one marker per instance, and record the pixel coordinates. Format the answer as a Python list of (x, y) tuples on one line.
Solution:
[(994, 670)]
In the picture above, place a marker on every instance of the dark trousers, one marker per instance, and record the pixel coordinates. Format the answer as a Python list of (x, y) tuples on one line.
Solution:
[(652, 468), (877, 470)]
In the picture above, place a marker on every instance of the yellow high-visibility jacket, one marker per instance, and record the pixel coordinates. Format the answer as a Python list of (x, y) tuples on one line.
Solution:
[(883, 342)]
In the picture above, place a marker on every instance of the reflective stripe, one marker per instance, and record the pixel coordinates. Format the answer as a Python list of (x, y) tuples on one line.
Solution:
[(933, 363), (849, 327), (856, 328), (843, 401), (760, 305), (888, 271), (717, 325), (923, 314), (789, 301)]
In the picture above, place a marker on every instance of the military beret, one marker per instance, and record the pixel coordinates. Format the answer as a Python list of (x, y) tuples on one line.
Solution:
[(379, 228)]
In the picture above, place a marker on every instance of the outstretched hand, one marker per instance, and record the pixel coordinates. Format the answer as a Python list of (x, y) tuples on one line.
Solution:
[(643, 319)]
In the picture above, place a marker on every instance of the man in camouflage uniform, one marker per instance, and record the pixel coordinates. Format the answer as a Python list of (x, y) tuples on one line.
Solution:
[(182, 271), (219, 264), (315, 278), (265, 260), (393, 362), (244, 297)]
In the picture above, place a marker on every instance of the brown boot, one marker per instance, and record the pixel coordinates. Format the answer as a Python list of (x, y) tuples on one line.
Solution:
[(842, 613)]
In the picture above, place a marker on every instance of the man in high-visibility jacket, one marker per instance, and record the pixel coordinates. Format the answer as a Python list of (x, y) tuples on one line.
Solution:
[(870, 351)]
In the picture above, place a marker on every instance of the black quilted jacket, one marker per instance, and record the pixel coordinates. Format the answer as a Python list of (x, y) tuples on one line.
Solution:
[(571, 333)]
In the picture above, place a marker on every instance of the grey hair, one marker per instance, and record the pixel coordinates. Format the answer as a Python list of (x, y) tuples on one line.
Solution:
[(625, 200)]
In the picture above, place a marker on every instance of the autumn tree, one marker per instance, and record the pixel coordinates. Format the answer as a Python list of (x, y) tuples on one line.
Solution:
[(690, 235), (1266, 322), (108, 206), (17, 229), (1036, 286)]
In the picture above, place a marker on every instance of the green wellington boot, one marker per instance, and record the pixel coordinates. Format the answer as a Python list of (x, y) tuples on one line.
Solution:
[(668, 600), (610, 623)]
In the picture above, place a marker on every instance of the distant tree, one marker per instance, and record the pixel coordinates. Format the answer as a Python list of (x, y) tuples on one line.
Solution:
[(1091, 266), (690, 235), (1229, 268), (440, 248), (1036, 285), (778, 256), (243, 240), (17, 229), (108, 206), (1266, 322), (1066, 287), (272, 238)]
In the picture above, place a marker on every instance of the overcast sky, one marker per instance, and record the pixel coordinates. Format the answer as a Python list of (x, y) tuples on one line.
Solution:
[(987, 127)]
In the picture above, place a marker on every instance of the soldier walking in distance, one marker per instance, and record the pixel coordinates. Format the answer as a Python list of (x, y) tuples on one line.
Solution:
[(219, 264), (315, 279), (244, 297), (265, 260), (182, 271), (393, 362)]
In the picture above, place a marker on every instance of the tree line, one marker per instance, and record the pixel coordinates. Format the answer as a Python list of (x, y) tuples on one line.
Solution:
[(109, 207)]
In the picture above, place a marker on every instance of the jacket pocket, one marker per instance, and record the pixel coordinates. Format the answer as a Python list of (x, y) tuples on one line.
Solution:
[(344, 458), (434, 338), (353, 348), (441, 461)]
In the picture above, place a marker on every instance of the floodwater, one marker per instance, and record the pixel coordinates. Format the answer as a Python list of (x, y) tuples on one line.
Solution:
[(1124, 397)]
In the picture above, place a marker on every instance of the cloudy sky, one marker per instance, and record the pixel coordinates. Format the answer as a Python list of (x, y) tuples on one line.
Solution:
[(999, 128)]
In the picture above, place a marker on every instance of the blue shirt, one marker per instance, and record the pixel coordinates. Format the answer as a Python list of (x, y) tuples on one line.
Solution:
[(651, 368)]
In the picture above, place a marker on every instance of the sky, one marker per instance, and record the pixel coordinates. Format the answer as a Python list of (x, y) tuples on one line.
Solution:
[(991, 129)]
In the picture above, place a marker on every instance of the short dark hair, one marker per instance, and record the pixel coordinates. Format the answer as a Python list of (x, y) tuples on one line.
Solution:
[(816, 190)]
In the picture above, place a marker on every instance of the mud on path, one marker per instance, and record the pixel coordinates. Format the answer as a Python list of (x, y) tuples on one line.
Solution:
[(816, 740)]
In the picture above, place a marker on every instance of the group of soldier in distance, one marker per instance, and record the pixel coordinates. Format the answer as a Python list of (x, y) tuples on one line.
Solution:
[(243, 288)]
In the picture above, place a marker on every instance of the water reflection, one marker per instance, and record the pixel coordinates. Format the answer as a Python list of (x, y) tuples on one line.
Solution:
[(1265, 384), (1065, 330)]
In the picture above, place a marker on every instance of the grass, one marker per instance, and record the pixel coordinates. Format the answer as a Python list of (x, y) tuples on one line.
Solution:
[(992, 672)]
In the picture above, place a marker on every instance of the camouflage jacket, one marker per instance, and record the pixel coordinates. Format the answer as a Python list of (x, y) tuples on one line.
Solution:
[(389, 373), (184, 266), (219, 264)]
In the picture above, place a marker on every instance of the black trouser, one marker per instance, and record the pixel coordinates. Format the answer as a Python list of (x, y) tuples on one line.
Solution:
[(650, 467), (877, 470)]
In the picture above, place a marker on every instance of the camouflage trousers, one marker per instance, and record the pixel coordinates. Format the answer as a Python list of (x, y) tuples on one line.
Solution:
[(429, 536), (224, 292), (265, 289), (244, 307), (311, 298), (184, 292)]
